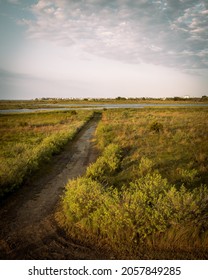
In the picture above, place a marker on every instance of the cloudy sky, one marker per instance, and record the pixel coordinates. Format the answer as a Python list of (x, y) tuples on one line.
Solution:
[(103, 48)]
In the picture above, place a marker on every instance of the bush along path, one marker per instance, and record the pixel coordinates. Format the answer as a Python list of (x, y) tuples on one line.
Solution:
[(27, 225)]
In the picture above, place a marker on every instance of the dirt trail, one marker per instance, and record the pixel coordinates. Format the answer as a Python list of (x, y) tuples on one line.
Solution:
[(27, 226)]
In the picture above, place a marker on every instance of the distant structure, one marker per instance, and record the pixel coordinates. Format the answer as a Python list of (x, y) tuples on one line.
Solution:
[(186, 97)]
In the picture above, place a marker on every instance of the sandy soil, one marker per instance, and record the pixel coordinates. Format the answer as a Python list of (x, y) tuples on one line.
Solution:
[(27, 226)]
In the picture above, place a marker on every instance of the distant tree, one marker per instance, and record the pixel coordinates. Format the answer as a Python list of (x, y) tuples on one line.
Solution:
[(120, 98), (176, 98)]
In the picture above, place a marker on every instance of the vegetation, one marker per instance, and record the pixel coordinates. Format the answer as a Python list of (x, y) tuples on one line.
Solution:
[(26, 140), (56, 102), (146, 195)]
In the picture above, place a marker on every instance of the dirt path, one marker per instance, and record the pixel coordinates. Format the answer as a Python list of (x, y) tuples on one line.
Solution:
[(27, 226)]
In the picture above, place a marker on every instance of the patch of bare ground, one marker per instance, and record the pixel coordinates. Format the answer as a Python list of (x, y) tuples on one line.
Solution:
[(28, 229)]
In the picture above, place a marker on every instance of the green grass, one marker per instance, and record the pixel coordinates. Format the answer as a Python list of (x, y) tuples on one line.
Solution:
[(146, 195), (178, 150), (26, 140), (44, 103)]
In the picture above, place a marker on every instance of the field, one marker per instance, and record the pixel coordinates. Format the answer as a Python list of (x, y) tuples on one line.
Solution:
[(52, 102), (27, 140), (146, 195)]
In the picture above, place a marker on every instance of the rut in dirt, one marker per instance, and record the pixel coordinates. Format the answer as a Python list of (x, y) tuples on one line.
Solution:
[(27, 226)]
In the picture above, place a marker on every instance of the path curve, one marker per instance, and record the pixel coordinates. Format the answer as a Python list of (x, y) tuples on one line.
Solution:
[(27, 226)]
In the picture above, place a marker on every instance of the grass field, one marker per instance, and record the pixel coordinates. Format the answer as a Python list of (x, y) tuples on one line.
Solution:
[(48, 103), (26, 140), (146, 195)]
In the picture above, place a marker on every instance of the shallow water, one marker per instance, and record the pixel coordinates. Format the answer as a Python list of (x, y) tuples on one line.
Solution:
[(98, 107)]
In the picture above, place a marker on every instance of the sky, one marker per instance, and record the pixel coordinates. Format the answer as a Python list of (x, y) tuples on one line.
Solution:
[(103, 48)]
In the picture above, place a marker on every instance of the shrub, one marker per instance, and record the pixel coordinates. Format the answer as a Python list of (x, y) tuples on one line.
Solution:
[(106, 165), (127, 220), (73, 112), (108, 131), (156, 127), (82, 198), (144, 201), (23, 124), (187, 175), (145, 166)]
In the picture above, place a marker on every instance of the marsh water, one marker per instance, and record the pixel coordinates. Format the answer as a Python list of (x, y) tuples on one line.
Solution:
[(101, 106)]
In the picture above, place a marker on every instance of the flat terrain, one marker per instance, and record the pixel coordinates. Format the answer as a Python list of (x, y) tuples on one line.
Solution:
[(27, 224), (146, 196)]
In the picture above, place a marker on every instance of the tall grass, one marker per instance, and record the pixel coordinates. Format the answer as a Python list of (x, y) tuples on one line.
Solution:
[(26, 140), (145, 196)]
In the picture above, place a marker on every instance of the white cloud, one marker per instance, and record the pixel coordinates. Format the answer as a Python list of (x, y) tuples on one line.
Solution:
[(125, 30), (41, 5)]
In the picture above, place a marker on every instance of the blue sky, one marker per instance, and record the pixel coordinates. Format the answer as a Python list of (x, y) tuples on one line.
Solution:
[(101, 48)]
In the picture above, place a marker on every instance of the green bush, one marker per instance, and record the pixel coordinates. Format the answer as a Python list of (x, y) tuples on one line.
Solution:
[(187, 175), (145, 166), (156, 127), (127, 219), (83, 197), (108, 131), (106, 165)]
